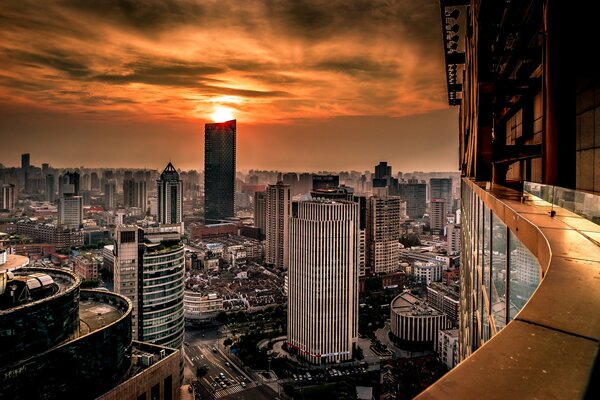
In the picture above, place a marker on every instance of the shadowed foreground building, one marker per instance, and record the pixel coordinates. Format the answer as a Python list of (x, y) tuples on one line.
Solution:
[(528, 85), (60, 341)]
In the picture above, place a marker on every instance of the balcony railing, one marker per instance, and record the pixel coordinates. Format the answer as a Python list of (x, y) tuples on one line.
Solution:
[(549, 346)]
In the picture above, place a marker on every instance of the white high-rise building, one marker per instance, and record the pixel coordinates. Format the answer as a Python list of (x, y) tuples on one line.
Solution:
[(323, 279), (277, 204), (383, 233), (70, 212)]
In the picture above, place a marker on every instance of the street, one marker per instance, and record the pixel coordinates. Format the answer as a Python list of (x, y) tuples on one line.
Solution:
[(223, 379)]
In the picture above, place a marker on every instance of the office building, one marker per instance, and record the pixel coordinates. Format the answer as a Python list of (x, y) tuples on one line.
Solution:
[(453, 235), (62, 341), (414, 325), (149, 269), (260, 213), (277, 204), (323, 280), (414, 193), (70, 212), (437, 216), (526, 152), (219, 171), (441, 188), (383, 233), (8, 197), (170, 197), (94, 181)]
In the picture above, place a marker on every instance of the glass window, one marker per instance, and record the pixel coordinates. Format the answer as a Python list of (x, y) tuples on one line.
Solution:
[(524, 275), (486, 250), (498, 272)]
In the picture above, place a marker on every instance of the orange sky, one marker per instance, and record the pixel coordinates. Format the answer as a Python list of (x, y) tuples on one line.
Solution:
[(313, 84)]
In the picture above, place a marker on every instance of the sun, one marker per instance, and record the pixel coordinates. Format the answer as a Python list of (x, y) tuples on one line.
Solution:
[(222, 114)]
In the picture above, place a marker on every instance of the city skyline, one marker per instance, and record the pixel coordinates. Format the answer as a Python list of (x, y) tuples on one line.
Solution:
[(315, 77)]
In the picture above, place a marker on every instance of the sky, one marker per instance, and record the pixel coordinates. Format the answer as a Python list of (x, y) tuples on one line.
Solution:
[(314, 85)]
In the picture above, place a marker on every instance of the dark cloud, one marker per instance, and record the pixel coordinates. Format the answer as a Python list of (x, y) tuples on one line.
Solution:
[(162, 72), (56, 59), (359, 66)]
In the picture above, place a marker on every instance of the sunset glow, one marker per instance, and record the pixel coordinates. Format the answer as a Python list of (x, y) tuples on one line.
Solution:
[(222, 114), (146, 71)]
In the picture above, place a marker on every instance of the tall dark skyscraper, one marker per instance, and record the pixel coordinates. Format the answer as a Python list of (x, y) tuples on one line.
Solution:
[(25, 162), (219, 170)]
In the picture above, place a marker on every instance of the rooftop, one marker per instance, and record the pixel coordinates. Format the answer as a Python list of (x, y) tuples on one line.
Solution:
[(406, 303), (13, 262), (94, 315)]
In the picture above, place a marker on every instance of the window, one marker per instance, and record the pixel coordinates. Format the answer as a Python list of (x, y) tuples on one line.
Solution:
[(168, 387), (155, 392)]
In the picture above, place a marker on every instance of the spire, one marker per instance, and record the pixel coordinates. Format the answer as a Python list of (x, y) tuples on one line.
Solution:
[(169, 173)]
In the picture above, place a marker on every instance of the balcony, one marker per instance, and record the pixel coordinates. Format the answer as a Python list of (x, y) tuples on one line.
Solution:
[(541, 346)]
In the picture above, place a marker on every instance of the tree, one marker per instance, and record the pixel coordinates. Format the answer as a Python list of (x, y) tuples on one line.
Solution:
[(227, 342)]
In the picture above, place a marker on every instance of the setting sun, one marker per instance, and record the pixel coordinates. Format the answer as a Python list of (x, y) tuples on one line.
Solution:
[(222, 114)]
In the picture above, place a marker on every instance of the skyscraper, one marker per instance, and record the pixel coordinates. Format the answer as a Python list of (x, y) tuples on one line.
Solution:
[(170, 198), (383, 233), (277, 202), (219, 170), (441, 188), (149, 268), (437, 216), (25, 162), (323, 280), (69, 184)]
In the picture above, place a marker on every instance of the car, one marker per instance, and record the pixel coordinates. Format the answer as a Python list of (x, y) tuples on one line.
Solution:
[(227, 364), (214, 349), (222, 375), (223, 385), (243, 384), (186, 343)]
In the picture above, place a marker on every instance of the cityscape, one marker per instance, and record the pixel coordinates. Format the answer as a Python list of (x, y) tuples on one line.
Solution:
[(357, 258)]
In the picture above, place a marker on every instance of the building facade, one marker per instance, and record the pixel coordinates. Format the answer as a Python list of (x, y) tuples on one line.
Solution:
[(277, 204), (453, 235), (323, 280), (260, 213), (219, 171)]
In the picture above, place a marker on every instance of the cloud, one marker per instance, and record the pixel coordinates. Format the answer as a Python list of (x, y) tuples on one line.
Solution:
[(280, 59)]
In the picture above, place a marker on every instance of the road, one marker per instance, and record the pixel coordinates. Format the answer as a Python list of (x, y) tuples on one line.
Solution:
[(224, 378)]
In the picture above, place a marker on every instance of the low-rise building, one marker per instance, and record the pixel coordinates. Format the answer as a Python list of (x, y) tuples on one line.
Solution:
[(201, 307), (445, 298), (448, 347), (87, 265), (427, 272), (413, 324)]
